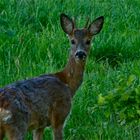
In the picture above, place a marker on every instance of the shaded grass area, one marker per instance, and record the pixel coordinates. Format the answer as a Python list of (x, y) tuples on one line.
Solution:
[(32, 42)]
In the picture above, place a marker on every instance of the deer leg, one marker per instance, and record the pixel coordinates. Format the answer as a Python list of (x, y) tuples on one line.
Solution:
[(60, 110), (58, 132), (1, 133), (57, 122), (38, 134)]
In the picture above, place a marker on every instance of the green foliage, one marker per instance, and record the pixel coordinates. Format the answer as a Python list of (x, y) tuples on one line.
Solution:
[(123, 102)]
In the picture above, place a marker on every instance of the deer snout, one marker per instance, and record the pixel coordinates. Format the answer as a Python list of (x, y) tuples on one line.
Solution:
[(81, 55)]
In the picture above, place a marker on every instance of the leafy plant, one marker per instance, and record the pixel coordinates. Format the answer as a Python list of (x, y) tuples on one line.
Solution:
[(123, 102)]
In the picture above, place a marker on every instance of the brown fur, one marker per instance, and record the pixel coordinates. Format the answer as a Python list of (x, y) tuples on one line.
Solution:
[(45, 100)]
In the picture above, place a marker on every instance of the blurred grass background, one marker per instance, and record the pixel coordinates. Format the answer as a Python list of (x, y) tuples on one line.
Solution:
[(32, 43)]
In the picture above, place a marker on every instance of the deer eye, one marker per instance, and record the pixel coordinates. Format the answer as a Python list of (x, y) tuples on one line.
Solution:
[(87, 42), (73, 41)]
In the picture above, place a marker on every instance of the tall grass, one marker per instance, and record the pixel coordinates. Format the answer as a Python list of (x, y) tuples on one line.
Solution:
[(32, 42)]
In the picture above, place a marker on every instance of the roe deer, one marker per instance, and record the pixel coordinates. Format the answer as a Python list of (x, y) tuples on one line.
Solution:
[(43, 101)]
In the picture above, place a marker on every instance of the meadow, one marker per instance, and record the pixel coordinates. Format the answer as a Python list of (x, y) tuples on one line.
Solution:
[(107, 105)]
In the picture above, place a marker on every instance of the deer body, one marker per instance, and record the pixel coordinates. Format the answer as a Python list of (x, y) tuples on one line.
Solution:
[(44, 101)]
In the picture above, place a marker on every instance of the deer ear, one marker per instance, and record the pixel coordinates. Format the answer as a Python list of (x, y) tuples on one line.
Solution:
[(66, 23), (96, 26)]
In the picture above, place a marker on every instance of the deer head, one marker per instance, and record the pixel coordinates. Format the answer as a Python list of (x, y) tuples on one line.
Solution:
[(80, 39)]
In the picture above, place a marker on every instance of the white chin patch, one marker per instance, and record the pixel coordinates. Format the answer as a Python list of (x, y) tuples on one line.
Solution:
[(79, 60)]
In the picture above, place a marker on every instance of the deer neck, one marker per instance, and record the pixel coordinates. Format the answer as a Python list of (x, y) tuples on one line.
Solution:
[(72, 75)]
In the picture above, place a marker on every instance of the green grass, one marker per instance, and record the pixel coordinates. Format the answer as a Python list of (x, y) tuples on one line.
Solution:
[(32, 43)]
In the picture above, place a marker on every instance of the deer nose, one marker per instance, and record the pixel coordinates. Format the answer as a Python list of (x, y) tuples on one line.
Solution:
[(80, 55)]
